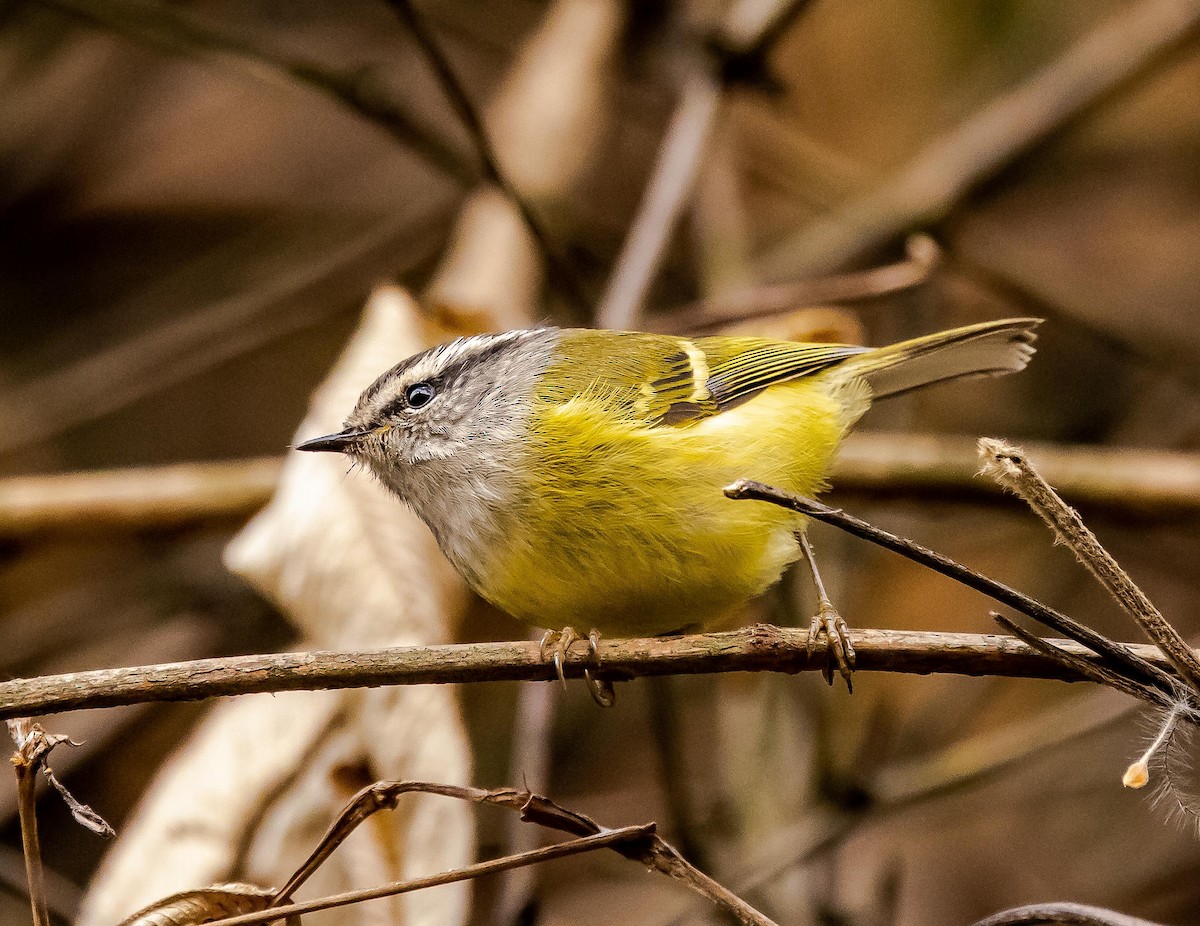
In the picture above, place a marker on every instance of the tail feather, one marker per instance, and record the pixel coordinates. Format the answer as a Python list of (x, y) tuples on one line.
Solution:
[(987, 349)]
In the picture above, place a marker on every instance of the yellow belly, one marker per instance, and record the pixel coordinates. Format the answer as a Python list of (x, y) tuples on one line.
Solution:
[(624, 526)]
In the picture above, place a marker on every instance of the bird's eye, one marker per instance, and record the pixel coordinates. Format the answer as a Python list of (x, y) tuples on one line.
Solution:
[(418, 395)]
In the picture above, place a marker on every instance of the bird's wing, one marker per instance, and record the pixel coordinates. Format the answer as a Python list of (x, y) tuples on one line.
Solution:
[(741, 368), (665, 380)]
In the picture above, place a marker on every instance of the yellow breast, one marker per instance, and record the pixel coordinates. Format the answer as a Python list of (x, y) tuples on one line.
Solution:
[(623, 526)]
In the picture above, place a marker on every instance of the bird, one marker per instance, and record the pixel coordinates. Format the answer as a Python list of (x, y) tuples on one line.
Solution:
[(573, 474)]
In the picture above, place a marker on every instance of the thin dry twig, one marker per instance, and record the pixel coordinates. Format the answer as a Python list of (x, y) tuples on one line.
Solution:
[(1069, 914), (922, 257), (638, 843), (1119, 657), (558, 269), (1132, 482), (34, 746), (926, 187), (608, 838), (663, 200), (175, 30), (759, 648), (740, 46), (1096, 672), (1010, 467)]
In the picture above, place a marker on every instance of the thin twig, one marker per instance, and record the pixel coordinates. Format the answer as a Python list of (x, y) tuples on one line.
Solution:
[(1096, 672), (478, 870), (663, 200), (925, 188), (1069, 914), (32, 746), (922, 257), (1141, 483), (638, 843), (558, 269), (194, 341), (1118, 656), (1010, 467), (167, 26), (759, 648), (739, 46)]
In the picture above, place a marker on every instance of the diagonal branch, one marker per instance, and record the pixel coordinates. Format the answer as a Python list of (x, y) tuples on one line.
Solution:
[(1118, 656), (924, 189), (558, 270), (1138, 483), (168, 27), (1011, 468)]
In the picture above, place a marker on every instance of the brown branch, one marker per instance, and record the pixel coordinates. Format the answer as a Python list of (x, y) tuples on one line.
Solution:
[(1117, 656), (663, 200), (923, 256), (1010, 467), (1138, 482), (166, 26), (682, 151), (32, 746), (1118, 479), (557, 268), (924, 189), (1092, 670), (608, 838), (760, 648), (637, 843)]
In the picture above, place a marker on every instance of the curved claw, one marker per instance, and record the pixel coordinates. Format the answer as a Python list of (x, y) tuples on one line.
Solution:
[(562, 640), (601, 689), (559, 641)]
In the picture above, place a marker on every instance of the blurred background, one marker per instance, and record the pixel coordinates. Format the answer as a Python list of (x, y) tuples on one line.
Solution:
[(197, 199)]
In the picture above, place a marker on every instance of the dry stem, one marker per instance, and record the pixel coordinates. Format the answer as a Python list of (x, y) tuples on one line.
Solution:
[(760, 648), (560, 850), (32, 746), (1119, 657), (1009, 466), (638, 843), (1135, 482), (926, 187), (922, 257), (557, 268)]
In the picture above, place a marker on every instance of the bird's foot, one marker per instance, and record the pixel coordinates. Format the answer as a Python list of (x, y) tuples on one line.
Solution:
[(839, 651), (559, 642)]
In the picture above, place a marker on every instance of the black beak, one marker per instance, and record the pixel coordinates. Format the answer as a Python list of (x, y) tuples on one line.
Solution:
[(342, 442)]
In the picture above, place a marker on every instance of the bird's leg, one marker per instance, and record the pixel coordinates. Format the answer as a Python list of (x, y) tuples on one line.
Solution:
[(828, 621), (561, 641), (601, 689)]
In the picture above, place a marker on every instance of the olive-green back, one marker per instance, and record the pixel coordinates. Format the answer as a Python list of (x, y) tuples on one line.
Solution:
[(666, 380)]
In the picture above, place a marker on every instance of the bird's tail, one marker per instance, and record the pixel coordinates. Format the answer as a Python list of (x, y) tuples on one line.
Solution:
[(987, 349)]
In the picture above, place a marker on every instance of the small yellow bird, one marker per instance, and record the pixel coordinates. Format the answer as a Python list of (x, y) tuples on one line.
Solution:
[(576, 476)]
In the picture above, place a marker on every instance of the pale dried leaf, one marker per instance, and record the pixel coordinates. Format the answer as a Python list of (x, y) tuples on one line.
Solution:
[(549, 116), (203, 905), (261, 780)]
